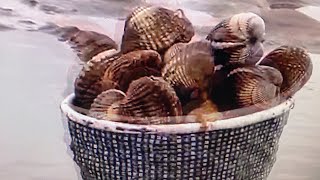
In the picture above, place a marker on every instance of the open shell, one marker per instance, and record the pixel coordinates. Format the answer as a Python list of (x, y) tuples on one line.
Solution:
[(248, 85), (239, 28), (100, 107), (155, 28), (188, 68), (295, 65), (146, 97), (115, 72), (86, 44), (238, 38)]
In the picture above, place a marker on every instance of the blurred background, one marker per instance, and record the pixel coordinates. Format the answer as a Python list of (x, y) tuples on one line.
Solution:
[(37, 72)]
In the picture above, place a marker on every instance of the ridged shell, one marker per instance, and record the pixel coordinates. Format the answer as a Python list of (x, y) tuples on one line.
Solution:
[(146, 97), (238, 28), (116, 72), (155, 28), (89, 83), (100, 107), (232, 55), (188, 68), (173, 51), (151, 96), (132, 66), (238, 38), (295, 65), (248, 85), (87, 44), (255, 53)]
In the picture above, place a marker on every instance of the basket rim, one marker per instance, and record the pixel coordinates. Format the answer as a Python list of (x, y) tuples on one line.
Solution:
[(235, 122)]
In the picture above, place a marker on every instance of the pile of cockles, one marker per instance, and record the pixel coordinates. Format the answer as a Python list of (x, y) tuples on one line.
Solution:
[(158, 73)]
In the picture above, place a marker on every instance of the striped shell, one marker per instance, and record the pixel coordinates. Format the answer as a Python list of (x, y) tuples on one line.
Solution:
[(103, 102), (248, 85), (146, 97), (115, 72), (86, 44), (243, 27), (89, 83), (188, 68), (132, 66), (255, 53), (155, 28), (295, 65), (235, 39), (242, 54)]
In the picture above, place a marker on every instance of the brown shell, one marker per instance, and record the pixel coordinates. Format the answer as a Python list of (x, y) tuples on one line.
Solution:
[(87, 44), (238, 28), (255, 53), (205, 107), (116, 72), (237, 38), (132, 66), (155, 28), (232, 55), (89, 83), (249, 85), (173, 51), (146, 98), (243, 53), (190, 67), (295, 65), (101, 105)]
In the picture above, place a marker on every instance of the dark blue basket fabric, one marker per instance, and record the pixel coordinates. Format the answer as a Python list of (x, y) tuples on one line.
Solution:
[(231, 154)]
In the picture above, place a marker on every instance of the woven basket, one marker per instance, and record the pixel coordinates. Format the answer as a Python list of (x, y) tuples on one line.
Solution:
[(241, 148)]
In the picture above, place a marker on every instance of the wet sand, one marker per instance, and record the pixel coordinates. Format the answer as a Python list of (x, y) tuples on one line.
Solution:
[(34, 78), (299, 152), (38, 72)]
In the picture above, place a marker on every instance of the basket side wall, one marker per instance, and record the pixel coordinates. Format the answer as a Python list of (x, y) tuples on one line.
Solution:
[(244, 153)]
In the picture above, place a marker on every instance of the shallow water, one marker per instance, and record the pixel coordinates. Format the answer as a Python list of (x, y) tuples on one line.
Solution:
[(37, 72)]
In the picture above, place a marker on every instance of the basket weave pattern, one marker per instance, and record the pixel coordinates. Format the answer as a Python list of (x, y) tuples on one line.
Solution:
[(242, 153)]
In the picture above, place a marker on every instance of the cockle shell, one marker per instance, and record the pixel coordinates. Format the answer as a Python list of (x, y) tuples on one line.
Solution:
[(255, 53), (295, 65), (188, 68), (146, 97), (103, 102), (86, 44), (115, 72), (89, 83), (245, 54), (248, 85), (237, 38), (155, 28), (132, 66), (240, 54), (243, 27)]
